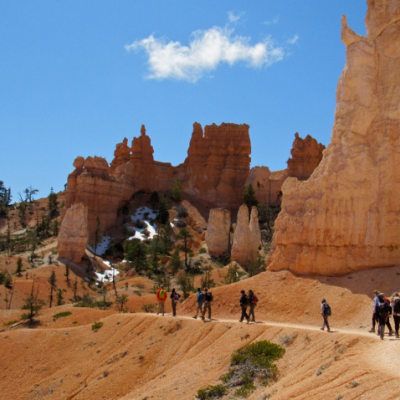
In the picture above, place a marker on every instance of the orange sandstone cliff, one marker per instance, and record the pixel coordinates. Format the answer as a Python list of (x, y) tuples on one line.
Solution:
[(346, 216)]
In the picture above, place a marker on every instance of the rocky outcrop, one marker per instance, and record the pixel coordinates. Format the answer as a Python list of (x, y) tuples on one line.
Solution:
[(217, 235), (267, 184), (306, 155), (74, 234), (247, 237), (346, 216), (218, 164)]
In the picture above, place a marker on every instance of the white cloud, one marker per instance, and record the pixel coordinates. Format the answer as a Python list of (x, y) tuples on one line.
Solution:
[(232, 17), (293, 40), (272, 21), (205, 52)]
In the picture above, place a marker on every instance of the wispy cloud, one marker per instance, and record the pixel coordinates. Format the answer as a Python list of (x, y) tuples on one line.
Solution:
[(205, 52), (234, 17), (293, 40), (272, 21)]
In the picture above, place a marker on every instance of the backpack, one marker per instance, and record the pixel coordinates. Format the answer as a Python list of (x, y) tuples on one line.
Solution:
[(382, 309), (396, 306), (327, 310), (209, 297), (161, 295), (177, 296), (244, 300), (254, 300)]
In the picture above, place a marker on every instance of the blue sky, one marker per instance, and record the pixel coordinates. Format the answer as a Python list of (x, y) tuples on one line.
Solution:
[(76, 77)]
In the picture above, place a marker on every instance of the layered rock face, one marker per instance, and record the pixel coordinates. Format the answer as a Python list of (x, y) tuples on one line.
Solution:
[(247, 237), (306, 155), (218, 164), (346, 216), (217, 235), (74, 234)]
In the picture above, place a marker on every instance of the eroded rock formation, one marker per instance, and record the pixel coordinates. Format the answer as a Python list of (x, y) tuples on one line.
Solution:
[(74, 234), (217, 235), (306, 155), (247, 237), (346, 217), (218, 164)]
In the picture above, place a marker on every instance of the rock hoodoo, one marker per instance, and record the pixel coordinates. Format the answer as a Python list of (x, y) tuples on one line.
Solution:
[(306, 155), (247, 237), (217, 235), (346, 216), (74, 234)]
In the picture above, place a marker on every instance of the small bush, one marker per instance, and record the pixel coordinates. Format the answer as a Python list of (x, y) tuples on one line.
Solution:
[(202, 250), (148, 308), (96, 326), (62, 314), (180, 223), (245, 390), (211, 392), (182, 211)]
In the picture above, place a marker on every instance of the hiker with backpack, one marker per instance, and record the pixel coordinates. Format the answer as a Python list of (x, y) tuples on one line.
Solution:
[(395, 303), (200, 302), (244, 303), (252, 302), (383, 310), (175, 296), (325, 312), (161, 299), (208, 298)]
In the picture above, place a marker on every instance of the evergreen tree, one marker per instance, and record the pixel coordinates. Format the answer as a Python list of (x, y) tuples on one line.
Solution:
[(163, 214), (136, 253), (53, 204), (249, 197), (19, 267), (185, 235), (177, 190), (33, 304), (175, 262), (185, 283), (154, 200), (52, 281), (60, 296), (5, 199)]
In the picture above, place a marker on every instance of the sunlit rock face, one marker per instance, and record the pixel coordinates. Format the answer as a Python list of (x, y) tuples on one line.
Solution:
[(218, 164), (74, 234), (247, 237), (346, 216), (218, 229)]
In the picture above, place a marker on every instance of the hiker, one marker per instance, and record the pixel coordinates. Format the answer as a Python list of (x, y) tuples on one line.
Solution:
[(374, 315), (175, 296), (383, 311), (200, 302), (244, 303), (388, 318), (325, 312), (208, 298), (395, 303), (253, 302), (161, 298)]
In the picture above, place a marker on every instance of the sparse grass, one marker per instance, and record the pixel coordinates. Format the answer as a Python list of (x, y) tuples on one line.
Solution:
[(62, 314), (148, 308), (9, 323), (96, 326), (245, 390), (287, 340), (211, 392)]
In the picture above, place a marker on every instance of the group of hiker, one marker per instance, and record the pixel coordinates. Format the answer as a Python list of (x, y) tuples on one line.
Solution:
[(204, 299), (383, 309)]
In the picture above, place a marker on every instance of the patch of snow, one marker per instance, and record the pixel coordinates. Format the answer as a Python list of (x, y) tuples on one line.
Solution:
[(143, 210), (107, 275), (139, 215), (102, 246)]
